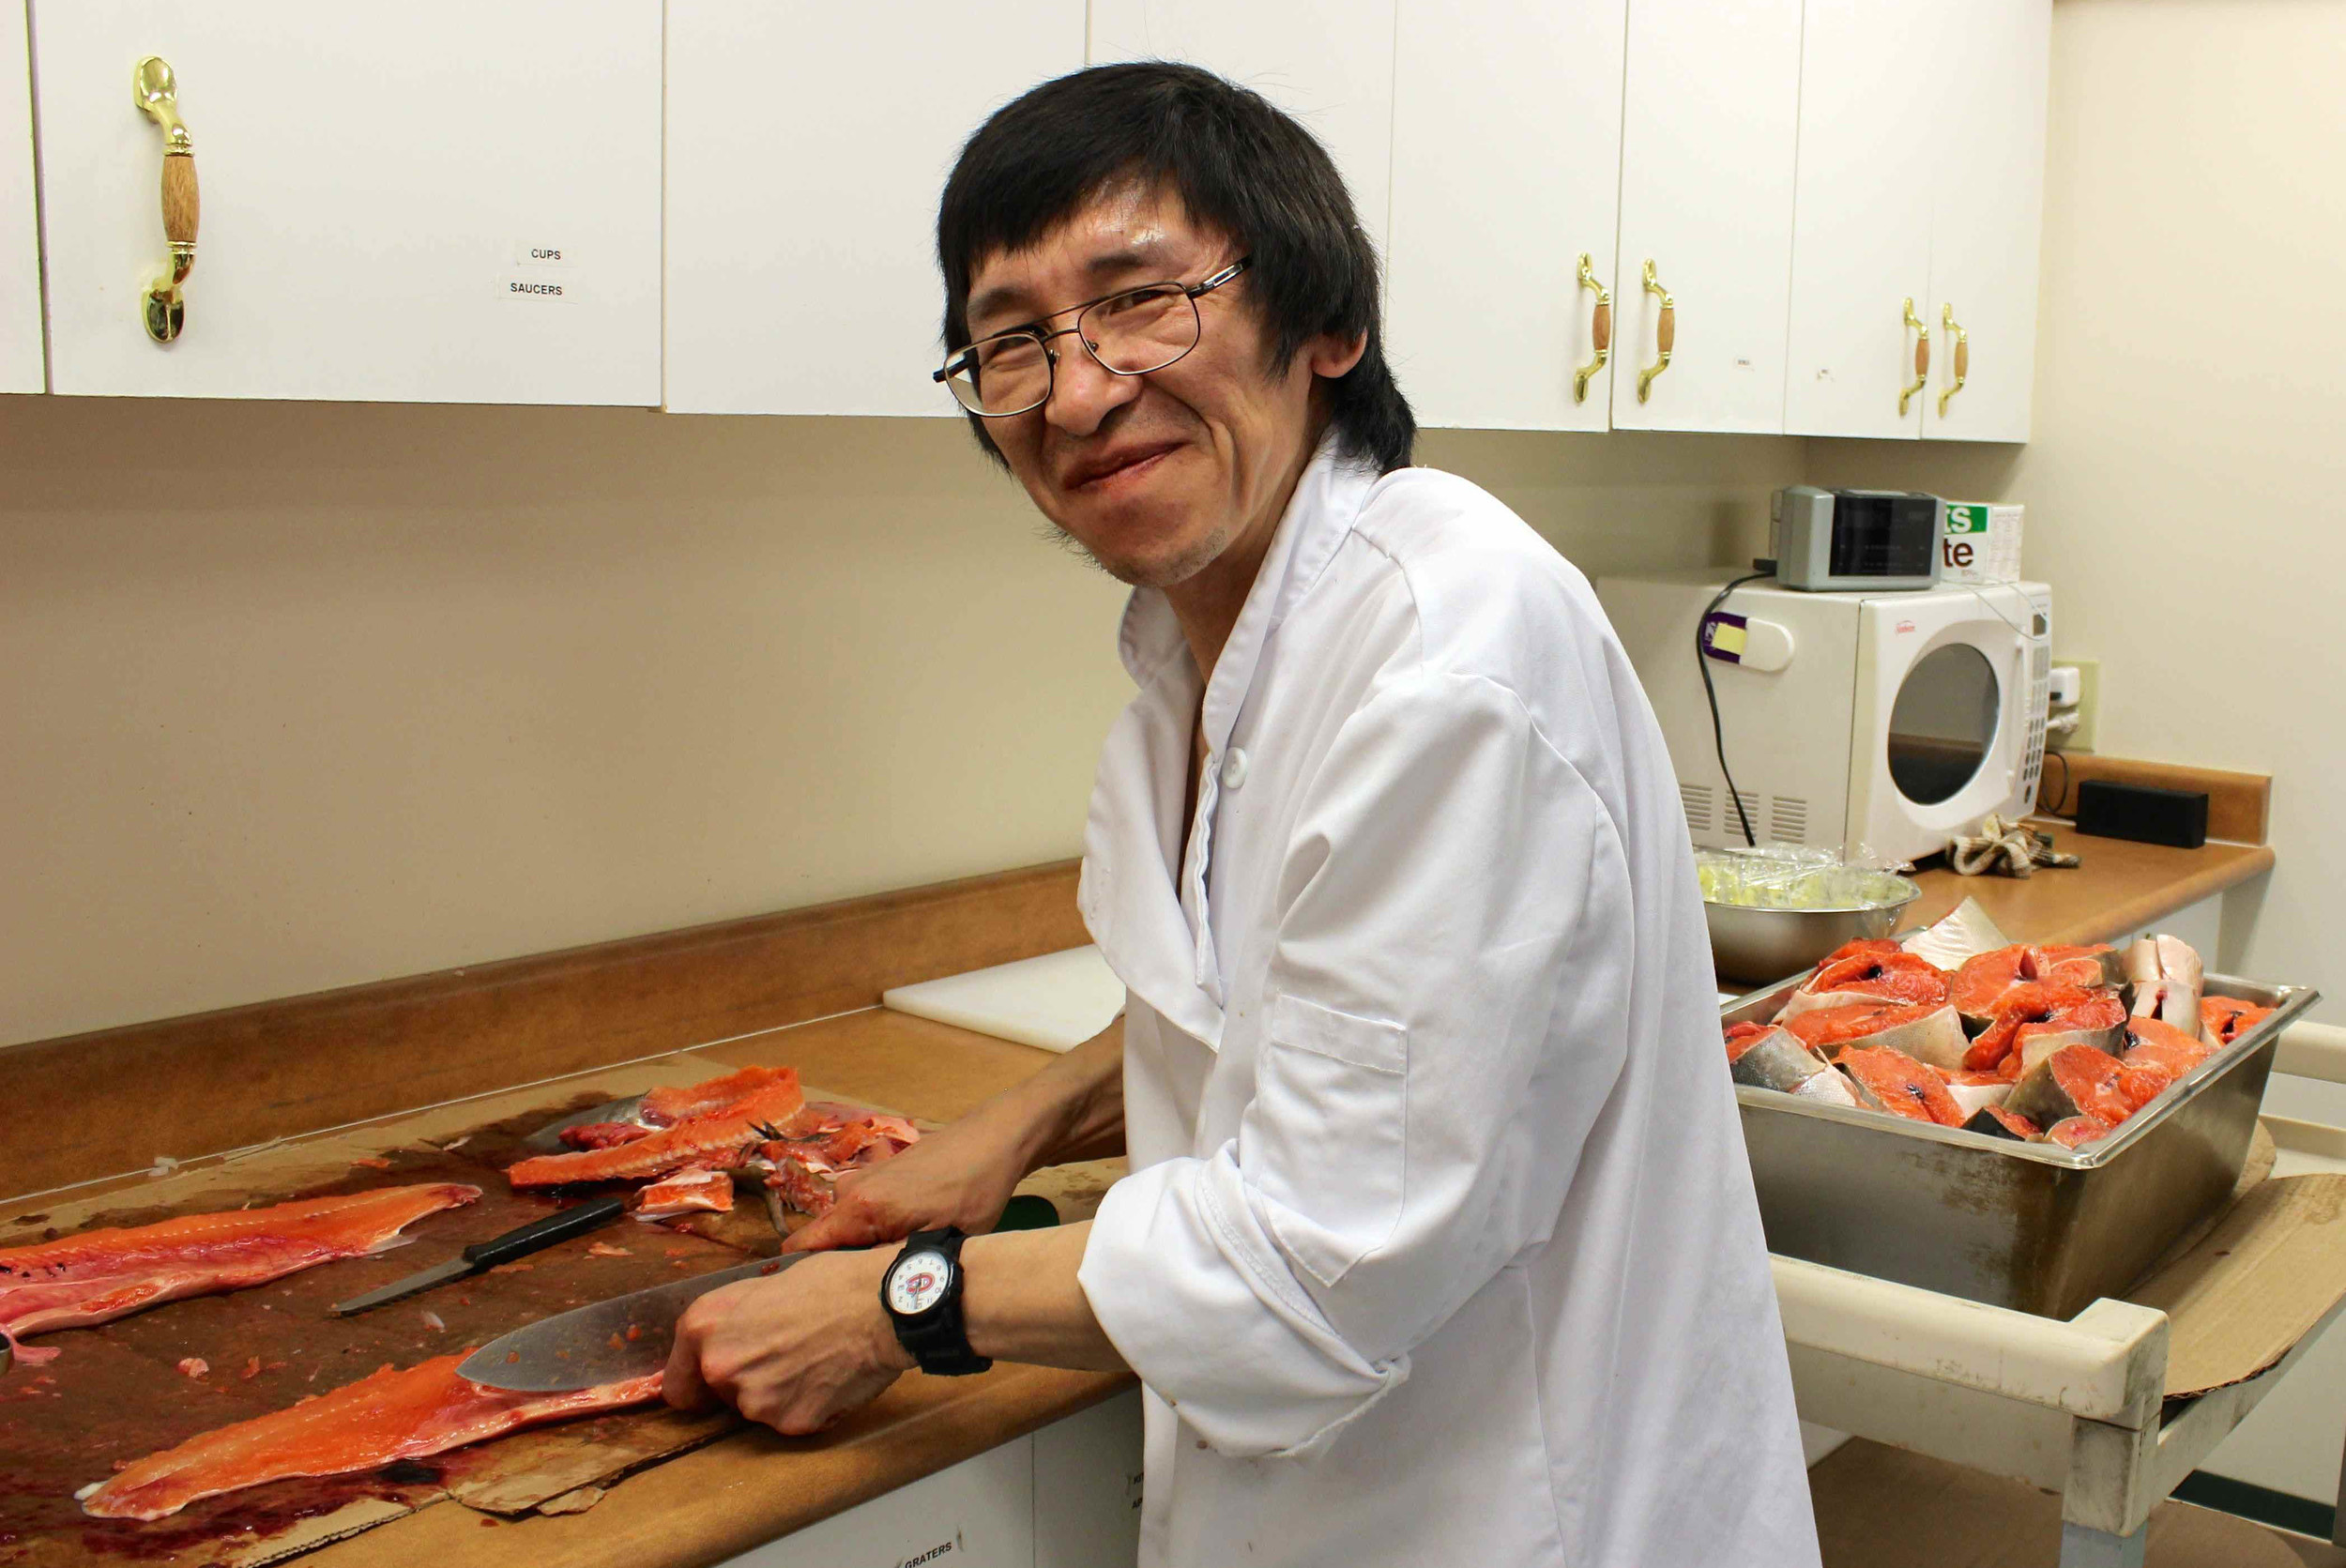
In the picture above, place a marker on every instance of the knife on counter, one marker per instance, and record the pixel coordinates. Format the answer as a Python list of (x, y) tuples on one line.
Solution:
[(558, 1226)]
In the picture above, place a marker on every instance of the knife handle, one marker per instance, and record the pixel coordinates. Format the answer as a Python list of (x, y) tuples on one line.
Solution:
[(561, 1226)]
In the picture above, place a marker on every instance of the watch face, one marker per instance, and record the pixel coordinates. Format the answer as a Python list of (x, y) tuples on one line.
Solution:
[(916, 1282)]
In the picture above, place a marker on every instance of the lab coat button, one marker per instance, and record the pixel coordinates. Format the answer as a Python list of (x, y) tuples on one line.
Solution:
[(1234, 768)]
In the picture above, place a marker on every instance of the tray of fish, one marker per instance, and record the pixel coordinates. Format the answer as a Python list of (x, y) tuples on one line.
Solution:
[(1898, 1126)]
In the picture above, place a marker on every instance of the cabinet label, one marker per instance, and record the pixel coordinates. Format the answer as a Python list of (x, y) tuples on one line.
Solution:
[(553, 289), (537, 252)]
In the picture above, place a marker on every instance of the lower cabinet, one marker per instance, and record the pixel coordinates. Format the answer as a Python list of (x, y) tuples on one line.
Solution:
[(1067, 1497)]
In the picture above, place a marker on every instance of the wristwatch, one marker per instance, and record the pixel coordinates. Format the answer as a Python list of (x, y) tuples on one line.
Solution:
[(922, 1296)]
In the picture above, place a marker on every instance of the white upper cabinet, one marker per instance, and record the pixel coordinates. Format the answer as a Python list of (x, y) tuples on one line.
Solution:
[(1327, 62), (807, 146), (1506, 173), (19, 244), (1986, 167), (1710, 118), (434, 201), (1861, 231)]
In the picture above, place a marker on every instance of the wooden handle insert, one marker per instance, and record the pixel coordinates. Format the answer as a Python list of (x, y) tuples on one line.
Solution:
[(1666, 331), (182, 207), (1601, 327)]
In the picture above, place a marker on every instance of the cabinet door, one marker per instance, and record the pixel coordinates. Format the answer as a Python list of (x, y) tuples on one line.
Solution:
[(1506, 171), (19, 247), (1087, 1488), (1861, 218), (1987, 164), (978, 1514), (1710, 116), (436, 201), (1327, 62), (807, 146)]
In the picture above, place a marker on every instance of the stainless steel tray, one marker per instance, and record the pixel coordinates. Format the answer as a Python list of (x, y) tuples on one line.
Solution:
[(2033, 1227)]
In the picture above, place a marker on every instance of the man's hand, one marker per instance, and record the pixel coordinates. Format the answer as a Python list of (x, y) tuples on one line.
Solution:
[(796, 1351), (959, 1175)]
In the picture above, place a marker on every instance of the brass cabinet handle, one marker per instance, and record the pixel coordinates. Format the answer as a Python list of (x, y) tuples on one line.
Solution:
[(1600, 330), (1962, 356), (1664, 333), (1922, 355), (155, 91)]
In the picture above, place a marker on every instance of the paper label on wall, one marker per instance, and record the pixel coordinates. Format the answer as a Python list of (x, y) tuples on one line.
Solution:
[(540, 289), (538, 252)]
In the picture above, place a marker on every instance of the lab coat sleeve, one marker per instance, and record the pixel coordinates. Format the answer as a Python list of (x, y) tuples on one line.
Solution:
[(1447, 1014)]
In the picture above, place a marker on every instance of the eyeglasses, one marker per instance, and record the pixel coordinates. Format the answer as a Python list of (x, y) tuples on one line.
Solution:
[(1130, 333)]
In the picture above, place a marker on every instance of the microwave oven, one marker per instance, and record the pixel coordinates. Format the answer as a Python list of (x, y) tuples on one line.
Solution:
[(1893, 720)]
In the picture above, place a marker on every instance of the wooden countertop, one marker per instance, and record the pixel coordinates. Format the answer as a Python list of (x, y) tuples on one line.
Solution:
[(2119, 888)]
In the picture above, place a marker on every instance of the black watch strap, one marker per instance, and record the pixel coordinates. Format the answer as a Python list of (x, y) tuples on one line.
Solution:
[(939, 1338)]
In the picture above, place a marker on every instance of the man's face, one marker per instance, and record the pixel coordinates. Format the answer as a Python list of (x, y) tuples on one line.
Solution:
[(1154, 474)]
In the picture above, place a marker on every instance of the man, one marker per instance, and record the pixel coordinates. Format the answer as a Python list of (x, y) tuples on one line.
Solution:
[(1438, 1244)]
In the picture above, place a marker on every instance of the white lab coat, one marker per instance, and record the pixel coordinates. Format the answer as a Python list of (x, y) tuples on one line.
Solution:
[(1440, 1244)]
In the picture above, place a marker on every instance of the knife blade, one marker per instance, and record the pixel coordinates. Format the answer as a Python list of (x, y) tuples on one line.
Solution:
[(518, 1243), (627, 1336)]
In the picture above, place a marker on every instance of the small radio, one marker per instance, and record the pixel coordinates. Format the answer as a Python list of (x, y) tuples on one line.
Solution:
[(1840, 540)]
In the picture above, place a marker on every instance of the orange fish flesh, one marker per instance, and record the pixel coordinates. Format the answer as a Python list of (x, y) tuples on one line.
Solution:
[(665, 1107), (1927, 1031), (2153, 1040), (694, 1189), (2086, 966), (1997, 1123), (805, 1171), (717, 1139), (1869, 977), (384, 1416), (1982, 982), (2225, 1019), (2073, 1081), (1888, 1081), (2035, 1020), (2076, 1131), (100, 1275)]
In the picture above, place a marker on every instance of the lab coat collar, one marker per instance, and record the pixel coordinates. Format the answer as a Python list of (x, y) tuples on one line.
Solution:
[(1158, 935)]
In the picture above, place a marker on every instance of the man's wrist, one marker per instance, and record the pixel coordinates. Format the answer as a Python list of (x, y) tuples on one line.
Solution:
[(886, 1351)]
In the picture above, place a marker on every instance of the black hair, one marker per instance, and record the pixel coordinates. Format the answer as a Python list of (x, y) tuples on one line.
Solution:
[(1239, 166)]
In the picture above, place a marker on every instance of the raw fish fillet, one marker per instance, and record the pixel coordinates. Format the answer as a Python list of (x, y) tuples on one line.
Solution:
[(1982, 982), (1926, 1031), (692, 1189), (1869, 977), (2035, 1020), (665, 1107), (2225, 1019), (718, 1139), (382, 1417), (100, 1275), (1887, 1081), (602, 1134)]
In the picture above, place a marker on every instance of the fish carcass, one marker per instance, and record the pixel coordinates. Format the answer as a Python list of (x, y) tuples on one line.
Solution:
[(718, 1138), (100, 1275), (383, 1417), (805, 1171)]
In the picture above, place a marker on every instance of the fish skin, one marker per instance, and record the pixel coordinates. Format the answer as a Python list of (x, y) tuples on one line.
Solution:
[(1831, 1086), (1929, 1033), (2167, 979), (1998, 1122), (2074, 1081), (2085, 966), (96, 1276), (1974, 1092), (384, 1416), (1775, 1058), (719, 1140)]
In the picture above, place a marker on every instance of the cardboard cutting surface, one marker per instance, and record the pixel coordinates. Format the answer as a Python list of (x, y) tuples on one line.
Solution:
[(2254, 1286), (115, 1392)]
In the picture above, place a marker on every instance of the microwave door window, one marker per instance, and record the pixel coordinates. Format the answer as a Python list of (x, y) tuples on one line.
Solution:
[(1943, 724)]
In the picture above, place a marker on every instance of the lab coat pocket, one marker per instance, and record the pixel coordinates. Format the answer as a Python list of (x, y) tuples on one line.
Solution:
[(1327, 1132)]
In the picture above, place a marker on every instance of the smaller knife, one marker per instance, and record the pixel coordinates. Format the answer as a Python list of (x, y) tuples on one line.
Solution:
[(558, 1226), (609, 1342)]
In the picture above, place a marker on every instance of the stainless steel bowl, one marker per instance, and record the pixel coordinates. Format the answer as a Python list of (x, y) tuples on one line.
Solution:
[(1758, 945)]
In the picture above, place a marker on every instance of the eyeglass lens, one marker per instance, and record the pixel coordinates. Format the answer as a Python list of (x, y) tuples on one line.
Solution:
[(1130, 334)]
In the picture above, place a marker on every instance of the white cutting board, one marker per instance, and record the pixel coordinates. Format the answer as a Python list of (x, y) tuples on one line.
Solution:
[(1057, 1001)]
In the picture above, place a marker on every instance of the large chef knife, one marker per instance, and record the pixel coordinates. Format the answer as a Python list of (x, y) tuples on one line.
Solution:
[(560, 1226), (627, 1336)]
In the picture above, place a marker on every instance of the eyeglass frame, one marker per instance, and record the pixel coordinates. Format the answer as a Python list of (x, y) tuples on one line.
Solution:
[(1192, 292)]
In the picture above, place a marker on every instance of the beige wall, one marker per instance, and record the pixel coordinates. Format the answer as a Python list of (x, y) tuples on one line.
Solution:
[(296, 695), (2186, 479)]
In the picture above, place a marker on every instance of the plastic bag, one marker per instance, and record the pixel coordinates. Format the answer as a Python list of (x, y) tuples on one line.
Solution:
[(1793, 876)]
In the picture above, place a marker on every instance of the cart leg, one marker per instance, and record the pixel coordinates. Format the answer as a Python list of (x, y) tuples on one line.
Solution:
[(2081, 1547), (2337, 1525)]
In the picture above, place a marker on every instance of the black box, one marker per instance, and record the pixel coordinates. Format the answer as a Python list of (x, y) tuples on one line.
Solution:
[(2137, 812)]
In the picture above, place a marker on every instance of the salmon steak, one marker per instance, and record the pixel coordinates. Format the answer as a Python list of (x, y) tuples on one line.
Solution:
[(1980, 986), (1770, 1057), (718, 1139), (2152, 1040), (1974, 1092), (1888, 1081), (1876, 946), (2074, 1081), (2035, 1020), (1869, 977), (1997, 1123), (1926, 1031), (2225, 1019), (2167, 979), (2076, 1131), (383, 1417), (2084, 966), (100, 1275)]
